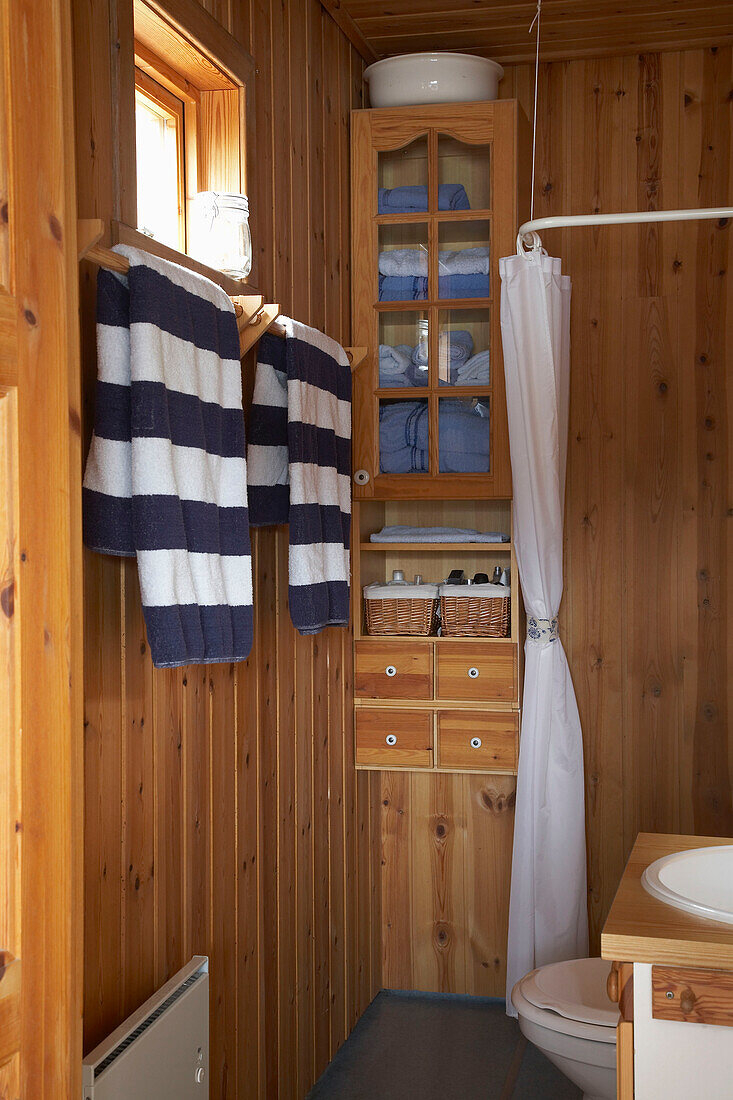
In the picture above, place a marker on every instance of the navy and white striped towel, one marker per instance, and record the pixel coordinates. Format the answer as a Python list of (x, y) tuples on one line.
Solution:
[(299, 463), (166, 479)]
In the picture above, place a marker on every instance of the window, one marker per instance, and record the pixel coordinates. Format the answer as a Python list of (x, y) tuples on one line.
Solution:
[(190, 119), (161, 185)]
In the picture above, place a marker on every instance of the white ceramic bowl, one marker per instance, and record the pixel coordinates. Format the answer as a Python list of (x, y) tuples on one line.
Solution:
[(439, 77)]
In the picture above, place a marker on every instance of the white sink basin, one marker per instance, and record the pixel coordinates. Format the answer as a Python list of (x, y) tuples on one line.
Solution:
[(699, 882)]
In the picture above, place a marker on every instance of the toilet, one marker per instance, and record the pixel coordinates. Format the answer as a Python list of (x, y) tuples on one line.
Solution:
[(564, 1010)]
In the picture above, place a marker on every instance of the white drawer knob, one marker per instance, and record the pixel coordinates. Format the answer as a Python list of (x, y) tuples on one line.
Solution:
[(475, 742), (473, 672), (391, 670), (391, 739)]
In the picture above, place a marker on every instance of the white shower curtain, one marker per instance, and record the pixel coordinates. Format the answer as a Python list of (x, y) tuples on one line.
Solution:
[(547, 911)]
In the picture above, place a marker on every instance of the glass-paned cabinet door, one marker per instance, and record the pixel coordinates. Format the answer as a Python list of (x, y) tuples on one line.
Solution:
[(464, 259), (404, 349), (464, 174), (435, 202), (464, 435), (403, 262), (403, 179), (464, 347), (404, 436)]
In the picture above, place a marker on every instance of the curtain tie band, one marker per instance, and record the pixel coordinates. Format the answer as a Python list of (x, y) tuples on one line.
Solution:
[(542, 630)]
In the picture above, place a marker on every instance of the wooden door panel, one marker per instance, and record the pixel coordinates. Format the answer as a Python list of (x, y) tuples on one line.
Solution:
[(41, 726)]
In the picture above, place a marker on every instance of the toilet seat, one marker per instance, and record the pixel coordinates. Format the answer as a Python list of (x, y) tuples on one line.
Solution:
[(569, 997)]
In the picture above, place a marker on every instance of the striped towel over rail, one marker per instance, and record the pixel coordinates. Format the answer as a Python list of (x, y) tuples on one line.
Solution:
[(166, 477), (299, 467)]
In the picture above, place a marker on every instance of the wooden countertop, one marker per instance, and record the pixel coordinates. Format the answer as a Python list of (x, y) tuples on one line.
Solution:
[(640, 928)]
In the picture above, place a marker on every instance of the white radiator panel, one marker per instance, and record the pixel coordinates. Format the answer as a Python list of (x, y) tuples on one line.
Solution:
[(161, 1052)]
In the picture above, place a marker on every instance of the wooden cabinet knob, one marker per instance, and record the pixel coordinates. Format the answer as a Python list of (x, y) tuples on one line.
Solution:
[(612, 984), (688, 1001)]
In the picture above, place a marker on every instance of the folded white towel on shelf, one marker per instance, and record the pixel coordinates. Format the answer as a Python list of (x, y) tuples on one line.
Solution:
[(413, 262), (404, 261), (476, 369), (465, 261), (406, 533)]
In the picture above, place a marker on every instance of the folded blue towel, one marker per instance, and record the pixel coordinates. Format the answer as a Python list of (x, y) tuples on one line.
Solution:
[(463, 286), (464, 437), (403, 437), (402, 288), (463, 432), (166, 479), (405, 288), (414, 200)]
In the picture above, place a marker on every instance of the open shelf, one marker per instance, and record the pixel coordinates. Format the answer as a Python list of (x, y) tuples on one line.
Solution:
[(439, 547)]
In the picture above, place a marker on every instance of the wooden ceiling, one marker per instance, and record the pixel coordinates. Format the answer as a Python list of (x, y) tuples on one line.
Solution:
[(570, 28)]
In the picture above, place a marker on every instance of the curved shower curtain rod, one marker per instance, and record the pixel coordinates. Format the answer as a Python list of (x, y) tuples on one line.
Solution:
[(527, 229)]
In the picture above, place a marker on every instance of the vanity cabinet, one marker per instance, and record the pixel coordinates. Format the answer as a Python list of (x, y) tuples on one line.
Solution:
[(437, 195), (674, 987)]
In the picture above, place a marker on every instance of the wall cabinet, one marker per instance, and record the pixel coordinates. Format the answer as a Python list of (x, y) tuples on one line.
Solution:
[(436, 201), (437, 198)]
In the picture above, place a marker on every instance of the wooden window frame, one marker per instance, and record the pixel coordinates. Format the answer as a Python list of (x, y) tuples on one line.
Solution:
[(173, 106), (187, 53)]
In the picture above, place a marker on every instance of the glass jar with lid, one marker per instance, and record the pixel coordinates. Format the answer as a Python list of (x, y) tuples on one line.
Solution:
[(220, 234)]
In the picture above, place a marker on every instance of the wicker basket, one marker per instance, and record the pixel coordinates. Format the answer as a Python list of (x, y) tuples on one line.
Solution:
[(401, 614), (475, 615)]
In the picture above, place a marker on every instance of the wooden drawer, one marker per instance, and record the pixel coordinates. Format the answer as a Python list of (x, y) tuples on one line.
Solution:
[(394, 738), (692, 995), (394, 670), (475, 740), (486, 672)]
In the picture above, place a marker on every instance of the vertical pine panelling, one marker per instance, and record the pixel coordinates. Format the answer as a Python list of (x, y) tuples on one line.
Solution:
[(138, 804), (646, 601), (648, 588), (222, 802), (595, 130)]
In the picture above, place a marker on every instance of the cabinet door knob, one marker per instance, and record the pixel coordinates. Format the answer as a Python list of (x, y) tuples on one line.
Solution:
[(475, 742), (361, 477), (391, 739), (473, 672), (391, 670)]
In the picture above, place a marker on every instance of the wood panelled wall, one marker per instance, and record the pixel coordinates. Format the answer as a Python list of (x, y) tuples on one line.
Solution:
[(646, 616), (223, 812)]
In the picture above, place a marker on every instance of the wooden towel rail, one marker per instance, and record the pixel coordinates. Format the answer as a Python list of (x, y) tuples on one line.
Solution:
[(254, 315)]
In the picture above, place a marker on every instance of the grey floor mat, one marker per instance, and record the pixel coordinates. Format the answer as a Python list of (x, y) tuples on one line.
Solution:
[(439, 1047)]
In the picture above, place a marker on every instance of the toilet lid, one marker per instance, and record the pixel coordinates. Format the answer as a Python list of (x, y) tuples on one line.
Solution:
[(574, 989)]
